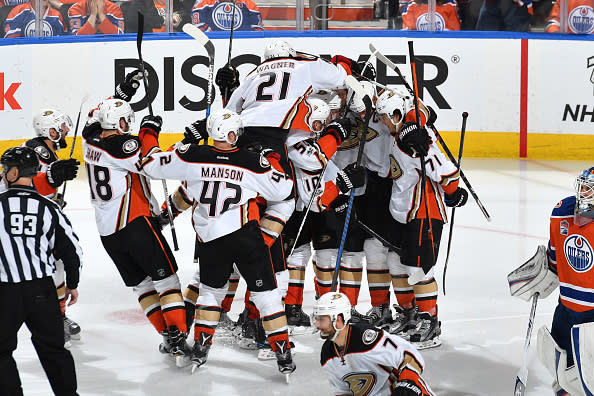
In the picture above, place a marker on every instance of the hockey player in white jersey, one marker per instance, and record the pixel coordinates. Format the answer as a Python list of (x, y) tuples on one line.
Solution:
[(125, 213), (410, 205), (310, 150), (224, 182), (363, 360)]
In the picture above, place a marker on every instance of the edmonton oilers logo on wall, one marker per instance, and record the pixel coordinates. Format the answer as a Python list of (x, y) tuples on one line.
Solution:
[(581, 20), (578, 253), (223, 14)]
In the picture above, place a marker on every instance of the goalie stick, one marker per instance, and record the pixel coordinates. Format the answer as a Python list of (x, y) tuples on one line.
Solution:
[(382, 58), (445, 266), (82, 101), (139, 35), (522, 376)]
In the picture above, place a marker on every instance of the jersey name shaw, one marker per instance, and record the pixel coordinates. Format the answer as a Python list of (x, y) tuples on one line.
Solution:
[(222, 173)]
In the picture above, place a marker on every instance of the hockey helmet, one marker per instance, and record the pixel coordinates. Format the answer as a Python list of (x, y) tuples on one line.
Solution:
[(223, 122), (278, 49), (357, 105), (584, 191), (23, 158), (111, 111), (47, 119), (391, 102), (319, 112), (333, 304)]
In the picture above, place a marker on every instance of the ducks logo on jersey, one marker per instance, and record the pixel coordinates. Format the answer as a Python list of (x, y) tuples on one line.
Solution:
[(361, 383)]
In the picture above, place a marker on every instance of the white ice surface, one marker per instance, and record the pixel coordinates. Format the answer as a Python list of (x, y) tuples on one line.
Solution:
[(483, 327)]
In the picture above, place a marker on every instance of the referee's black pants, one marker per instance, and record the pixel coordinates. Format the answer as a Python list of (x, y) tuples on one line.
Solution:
[(36, 304)]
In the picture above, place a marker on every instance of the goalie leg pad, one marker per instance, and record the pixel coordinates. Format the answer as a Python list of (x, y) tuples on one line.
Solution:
[(582, 339)]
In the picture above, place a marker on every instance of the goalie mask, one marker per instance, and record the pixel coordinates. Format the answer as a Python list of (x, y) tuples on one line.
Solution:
[(584, 193), (111, 111), (320, 113), (333, 304), (48, 119), (220, 124), (278, 49)]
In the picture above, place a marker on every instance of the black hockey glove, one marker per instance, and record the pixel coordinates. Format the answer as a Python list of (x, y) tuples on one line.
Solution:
[(412, 140), (151, 125), (432, 116), (457, 198), (407, 388), (62, 170), (126, 89), (340, 204), (163, 217), (348, 64), (195, 132), (340, 128), (367, 71), (227, 79), (350, 177)]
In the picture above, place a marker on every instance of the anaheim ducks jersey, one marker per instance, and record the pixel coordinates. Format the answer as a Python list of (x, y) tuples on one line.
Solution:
[(571, 253), (44, 153), (377, 149), (309, 158), (223, 184), (270, 94), (119, 194), (370, 362), (406, 203), (416, 16)]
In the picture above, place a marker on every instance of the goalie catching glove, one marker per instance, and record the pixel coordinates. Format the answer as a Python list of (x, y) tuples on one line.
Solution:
[(126, 89), (62, 170), (534, 276)]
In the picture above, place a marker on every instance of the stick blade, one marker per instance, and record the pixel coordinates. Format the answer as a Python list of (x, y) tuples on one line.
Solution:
[(199, 35), (140, 30), (382, 57)]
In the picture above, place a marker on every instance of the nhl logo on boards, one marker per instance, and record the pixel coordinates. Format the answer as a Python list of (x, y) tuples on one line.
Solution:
[(564, 227), (130, 146), (369, 336), (578, 253), (223, 14)]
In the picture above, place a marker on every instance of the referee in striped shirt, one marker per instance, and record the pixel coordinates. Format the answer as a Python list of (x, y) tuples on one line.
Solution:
[(32, 230)]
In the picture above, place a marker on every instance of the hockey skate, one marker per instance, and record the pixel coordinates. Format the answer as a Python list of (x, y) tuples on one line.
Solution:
[(357, 317), (380, 316), (427, 332), (72, 328), (164, 347), (178, 347), (404, 322), (265, 351), (297, 320), (284, 359), (248, 335), (200, 351)]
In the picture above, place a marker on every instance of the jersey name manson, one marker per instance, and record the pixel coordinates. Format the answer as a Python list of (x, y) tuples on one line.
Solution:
[(222, 173), (275, 65)]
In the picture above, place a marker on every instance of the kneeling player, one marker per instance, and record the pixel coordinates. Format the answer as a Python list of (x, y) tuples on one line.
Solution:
[(225, 181), (364, 360)]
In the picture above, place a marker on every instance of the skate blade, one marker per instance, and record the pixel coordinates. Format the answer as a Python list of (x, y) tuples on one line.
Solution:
[(67, 345), (288, 378), (427, 344), (194, 367), (298, 330), (75, 337), (182, 361)]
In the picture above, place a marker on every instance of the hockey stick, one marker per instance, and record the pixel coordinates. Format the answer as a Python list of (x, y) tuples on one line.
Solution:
[(462, 175), (139, 35), (522, 376), (445, 267), (226, 97), (379, 237), (199, 35), (413, 70), (83, 100), (382, 58)]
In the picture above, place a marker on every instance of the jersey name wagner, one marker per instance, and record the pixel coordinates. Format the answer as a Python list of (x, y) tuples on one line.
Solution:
[(571, 253), (369, 364)]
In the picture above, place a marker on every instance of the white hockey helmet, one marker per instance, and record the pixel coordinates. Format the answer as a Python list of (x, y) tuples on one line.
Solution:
[(47, 119), (357, 105), (319, 112), (111, 111), (391, 102), (278, 49), (223, 122), (584, 193), (333, 304)]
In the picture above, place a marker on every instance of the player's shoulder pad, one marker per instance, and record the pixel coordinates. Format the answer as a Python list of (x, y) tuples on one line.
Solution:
[(237, 157), (119, 146), (363, 337), (45, 154), (328, 352), (565, 207)]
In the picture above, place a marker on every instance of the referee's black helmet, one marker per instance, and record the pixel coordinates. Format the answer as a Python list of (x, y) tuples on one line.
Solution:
[(23, 158)]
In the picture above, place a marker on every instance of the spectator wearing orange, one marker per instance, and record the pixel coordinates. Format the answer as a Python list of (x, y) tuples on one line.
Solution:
[(95, 17), (20, 22), (580, 17), (415, 15)]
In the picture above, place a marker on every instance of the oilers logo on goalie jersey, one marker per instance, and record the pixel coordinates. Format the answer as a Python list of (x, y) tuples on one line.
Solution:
[(578, 253)]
